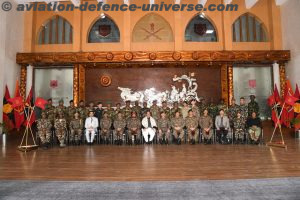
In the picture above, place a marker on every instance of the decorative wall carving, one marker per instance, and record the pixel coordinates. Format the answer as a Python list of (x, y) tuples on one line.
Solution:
[(76, 84), (81, 82), (224, 83), (282, 75), (23, 80), (230, 83)]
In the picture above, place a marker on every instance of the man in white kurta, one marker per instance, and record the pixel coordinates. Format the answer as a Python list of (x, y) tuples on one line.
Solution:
[(91, 125), (148, 130)]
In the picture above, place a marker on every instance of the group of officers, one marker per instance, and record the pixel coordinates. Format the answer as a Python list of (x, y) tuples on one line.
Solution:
[(138, 123)]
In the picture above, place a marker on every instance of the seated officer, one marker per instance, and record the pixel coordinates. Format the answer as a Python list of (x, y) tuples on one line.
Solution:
[(177, 124), (206, 125), (191, 123), (239, 128), (119, 127), (76, 126), (105, 125), (254, 128), (164, 129), (134, 129), (222, 126)]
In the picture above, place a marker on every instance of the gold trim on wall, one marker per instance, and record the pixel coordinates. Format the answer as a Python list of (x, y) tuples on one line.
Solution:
[(282, 75), (224, 82), (23, 79), (230, 83), (76, 84), (81, 82)]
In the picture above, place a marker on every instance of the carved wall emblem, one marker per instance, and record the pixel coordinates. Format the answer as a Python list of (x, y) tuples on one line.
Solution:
[(105, 80)]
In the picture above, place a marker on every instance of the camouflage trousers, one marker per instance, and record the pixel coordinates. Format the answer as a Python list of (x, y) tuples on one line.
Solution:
[(193, 135), (207, 135), (254, 133), (75, 134), (44, 136), (164, 133), (118, 134), (178, 134), (136, 133), (105, 133), (239, 133), (61, 135)]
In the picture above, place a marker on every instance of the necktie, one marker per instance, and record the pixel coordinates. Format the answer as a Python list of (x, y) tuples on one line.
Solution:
[(149, 123), (222, 122)]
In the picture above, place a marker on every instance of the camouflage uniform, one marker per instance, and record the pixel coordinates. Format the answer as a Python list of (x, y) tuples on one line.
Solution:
[(119, 123), (60, 130), (196, 112), (213, 111), (70, 112), (115, 115), (239, 128), (155, 112), (61, 109), (134, 122), (192, 122), (167, 111), (76, 127), (137, 109), (164, 126), (178, 122), (83, 112), (174, 110), (105, 125), (243, 109), (206, 122), (50, 111), (222, 106), (110, 113), (201, 107), (127, 112), (232, 112), (44, 130), (144, 111), (253, 107)]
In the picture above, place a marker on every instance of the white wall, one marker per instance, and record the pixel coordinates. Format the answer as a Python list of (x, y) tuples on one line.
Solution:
[(11, 42), (290, 12)]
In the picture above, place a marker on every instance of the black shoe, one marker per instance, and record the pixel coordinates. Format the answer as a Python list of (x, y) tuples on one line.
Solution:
[(179, 141), (167, 142)]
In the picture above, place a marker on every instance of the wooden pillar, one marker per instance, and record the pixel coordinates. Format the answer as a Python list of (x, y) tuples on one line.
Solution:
[(230, 83), (81, 82), (76, 84), (282, 76), (23, 79), (224, 82)]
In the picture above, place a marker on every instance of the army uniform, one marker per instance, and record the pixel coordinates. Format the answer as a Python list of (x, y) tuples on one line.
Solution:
[(239, 128), (155, 111), (185, 111), (144, 111), (174, 110), (127, 112), (50, 111), (253, 107), (192, 122), (76, 127), (115, 115), (164, 126), (232, 112), (83, 111), (61, 109), (201, 107), (44, 130), (110, 113), (167, 111), (105, 125), (178, 123), (137, 109), (119, 123), (196, 112), (60, 130), (243, 109), (222, 106), (134, 123), (206, 122), (70, 112), (213, 111)]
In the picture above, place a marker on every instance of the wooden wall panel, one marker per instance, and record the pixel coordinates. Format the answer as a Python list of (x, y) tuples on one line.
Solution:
[(208, 79)]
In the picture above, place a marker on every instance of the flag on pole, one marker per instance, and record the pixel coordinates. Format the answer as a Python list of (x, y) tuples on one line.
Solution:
[(29, 109), (297, 92), (290, 100), (271, 100), (18, 110), (8, 117), (276, 95), (40, 102)]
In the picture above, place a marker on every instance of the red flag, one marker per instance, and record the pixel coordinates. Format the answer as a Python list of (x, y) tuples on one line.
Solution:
[(297, 92), (288, 89), (17, 89), (16, 102), (276, 95), (40, 102), (8, 117), (290, 100), (271, 100), (30, 112), (297, 124), (19, 117)]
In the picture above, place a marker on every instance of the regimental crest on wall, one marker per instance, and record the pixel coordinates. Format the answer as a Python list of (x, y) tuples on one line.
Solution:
[(104, 30), (53, 84), (200, 29)]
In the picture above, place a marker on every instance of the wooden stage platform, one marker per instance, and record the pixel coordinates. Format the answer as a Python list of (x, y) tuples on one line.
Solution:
[(154, 162)]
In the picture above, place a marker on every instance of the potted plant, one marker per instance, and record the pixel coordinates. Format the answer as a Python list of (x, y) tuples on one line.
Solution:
[(4, 131)]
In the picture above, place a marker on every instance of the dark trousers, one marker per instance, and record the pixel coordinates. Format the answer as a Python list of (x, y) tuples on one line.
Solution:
[(222, 135)]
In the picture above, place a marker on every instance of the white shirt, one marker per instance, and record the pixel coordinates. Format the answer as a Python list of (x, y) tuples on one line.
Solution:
[(91, 123), (145, 122)]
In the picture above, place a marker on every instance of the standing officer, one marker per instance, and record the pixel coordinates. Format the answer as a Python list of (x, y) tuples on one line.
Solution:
[(253, 106), (61, 108), (137, 108), (144, 110), (165, 109), (154, 109), (191, 123), (127, 110), (110, 111), (50, 111), (82, 110), (195, 109), (243, 109), (175, 109), (70, 111)]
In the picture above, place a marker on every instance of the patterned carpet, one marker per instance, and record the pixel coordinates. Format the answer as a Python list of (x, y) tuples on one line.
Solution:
[(254, 189)]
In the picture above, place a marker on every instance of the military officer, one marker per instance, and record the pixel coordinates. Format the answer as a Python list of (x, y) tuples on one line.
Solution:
[(239, 128), (137, 108), (195, 109), (105, 125), (44, 126), (99, 111), (191, 123), (222, 106), (253, 106), (154, 109), (134, 129), (119, 127), (243, 109), (213, 110), (164, 126), (144, 110), (91, 106), (232, 111), (127, 110), (110, 111), (60, 126), (177, 124), (71, 111), (82, 110), (165, 109), (76, 128), (201, 106), (117, 111), (206, 124), (185, 109), (175, 109), (50, 111), (61, 108)]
